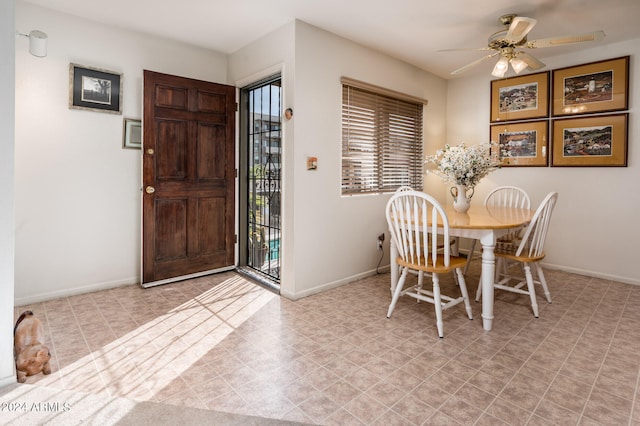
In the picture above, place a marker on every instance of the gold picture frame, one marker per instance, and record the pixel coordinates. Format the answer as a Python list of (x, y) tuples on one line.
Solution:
[(592, 141), (601, 86), (520, 98), (522, 144)]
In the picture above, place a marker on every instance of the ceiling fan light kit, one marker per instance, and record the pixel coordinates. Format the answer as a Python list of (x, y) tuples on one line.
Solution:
[(507, 44), (518, 65), (501, 67)]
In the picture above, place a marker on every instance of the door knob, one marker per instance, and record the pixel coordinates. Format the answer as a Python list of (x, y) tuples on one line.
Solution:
[(150, 190)]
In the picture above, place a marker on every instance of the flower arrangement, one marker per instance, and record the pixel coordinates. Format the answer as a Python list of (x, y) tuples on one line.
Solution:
[(462, 165)]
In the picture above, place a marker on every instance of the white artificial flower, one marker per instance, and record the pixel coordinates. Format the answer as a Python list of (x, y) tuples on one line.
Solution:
[(463, 165)]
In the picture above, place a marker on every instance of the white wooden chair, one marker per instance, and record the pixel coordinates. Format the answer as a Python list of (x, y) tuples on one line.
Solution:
[(507, 196), (453, 242), (418, 250), (527, 252)]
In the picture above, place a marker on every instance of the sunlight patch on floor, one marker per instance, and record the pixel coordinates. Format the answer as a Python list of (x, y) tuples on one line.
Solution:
[(141, 363)]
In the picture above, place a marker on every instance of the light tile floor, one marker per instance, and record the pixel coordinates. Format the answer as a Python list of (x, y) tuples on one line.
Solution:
[(223, 343)]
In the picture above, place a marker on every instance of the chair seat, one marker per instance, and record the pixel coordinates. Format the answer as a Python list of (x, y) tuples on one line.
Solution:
[(439, 268), (508, 251)]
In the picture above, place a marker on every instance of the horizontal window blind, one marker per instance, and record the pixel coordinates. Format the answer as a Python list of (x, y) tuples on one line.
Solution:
[(381, 142)]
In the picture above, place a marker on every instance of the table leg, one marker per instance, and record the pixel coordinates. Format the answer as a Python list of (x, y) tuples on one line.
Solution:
[(487, 275), (393, 255)]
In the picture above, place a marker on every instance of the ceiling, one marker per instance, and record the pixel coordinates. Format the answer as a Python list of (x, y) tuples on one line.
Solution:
[(410, 30)]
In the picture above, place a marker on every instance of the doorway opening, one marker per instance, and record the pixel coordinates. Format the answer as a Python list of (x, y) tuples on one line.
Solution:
[(260, 184)]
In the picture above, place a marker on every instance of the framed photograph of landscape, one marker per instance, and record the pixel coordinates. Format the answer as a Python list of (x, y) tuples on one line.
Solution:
[(522, 144), (590, 141), (95, 89), (595, 87), (520, 98), (132, 133)]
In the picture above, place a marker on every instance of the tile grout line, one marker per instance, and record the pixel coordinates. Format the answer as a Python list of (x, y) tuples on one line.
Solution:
[(555, 376), (635, 398), (582, 415), (58, 369), (484, 411), (91, 352), (497, 396), (437, 409)]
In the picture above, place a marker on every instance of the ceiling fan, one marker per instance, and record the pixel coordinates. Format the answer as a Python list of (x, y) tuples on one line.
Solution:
[(507, 43)]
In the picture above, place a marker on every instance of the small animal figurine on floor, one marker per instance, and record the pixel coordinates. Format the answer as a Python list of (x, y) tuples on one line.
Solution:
[(32, 356)]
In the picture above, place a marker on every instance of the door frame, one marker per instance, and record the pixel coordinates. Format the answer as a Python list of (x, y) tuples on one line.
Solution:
[(241, 164)]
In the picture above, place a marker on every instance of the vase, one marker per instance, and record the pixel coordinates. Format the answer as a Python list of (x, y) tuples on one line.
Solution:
[(461, 198)]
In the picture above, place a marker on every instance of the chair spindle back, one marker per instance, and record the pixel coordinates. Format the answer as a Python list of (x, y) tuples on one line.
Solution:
[(415, 236), (532, 243)]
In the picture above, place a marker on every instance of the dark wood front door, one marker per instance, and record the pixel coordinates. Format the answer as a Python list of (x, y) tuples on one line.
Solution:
[(188, 206)]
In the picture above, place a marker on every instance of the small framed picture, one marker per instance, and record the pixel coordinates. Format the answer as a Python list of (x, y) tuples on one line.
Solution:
[(590, 141), (520, 98), (95, 89), (522, 144), (132, 133), (590, 88)]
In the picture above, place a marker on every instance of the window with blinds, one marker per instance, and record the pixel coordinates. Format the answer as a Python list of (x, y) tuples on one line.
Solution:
[(381, 140)]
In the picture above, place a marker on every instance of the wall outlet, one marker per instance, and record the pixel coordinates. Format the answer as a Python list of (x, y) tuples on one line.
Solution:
[(380, 241)]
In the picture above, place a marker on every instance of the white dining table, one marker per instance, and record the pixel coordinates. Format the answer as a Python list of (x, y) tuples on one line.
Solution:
[(486, 224)]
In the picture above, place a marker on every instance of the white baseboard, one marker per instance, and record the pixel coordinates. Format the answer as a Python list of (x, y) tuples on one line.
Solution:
[(6, 381), (74, 291), (618, 278), (333, 284)]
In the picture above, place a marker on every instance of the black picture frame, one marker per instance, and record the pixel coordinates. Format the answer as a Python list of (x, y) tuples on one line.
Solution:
[(95, 89)]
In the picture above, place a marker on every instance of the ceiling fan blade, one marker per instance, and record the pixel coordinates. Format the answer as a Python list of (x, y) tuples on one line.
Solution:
[(473, 64), (557, 41), (474, 49), (519, 28), (531, 61)]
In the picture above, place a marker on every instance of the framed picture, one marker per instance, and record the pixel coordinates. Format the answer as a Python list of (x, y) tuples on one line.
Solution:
[(132, 133), (520, 98), (95, 89), (590, 141), (522, 144), (595, 87)]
